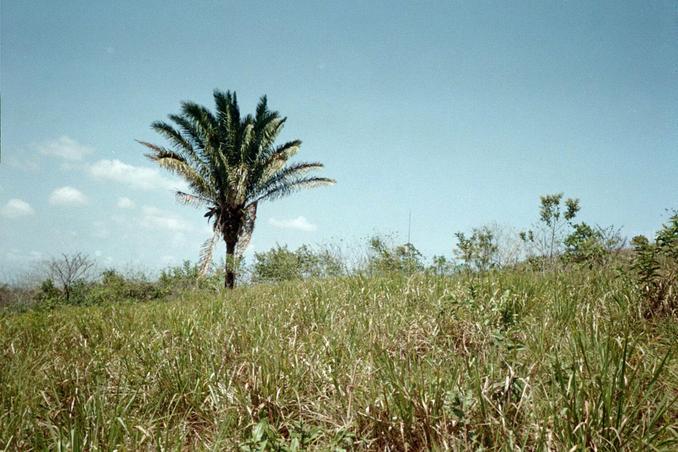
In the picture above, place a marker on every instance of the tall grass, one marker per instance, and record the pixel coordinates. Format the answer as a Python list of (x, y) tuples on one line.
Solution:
[(506, 361)]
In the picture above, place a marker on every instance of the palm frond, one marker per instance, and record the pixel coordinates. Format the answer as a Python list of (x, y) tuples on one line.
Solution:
[(285, 151), (206, 253), (247, 229), (176, 164), (182, 144), (189, 130), (191, 199), (288, 187), (199, 115), (274, 174), (173, 135)]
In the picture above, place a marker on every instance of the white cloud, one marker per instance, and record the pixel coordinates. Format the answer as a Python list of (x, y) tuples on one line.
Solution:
[(300, 223), (135, 176), (29, 164), (67, 196), (65, 148), (16, 208), (125, 203), (154, 218)]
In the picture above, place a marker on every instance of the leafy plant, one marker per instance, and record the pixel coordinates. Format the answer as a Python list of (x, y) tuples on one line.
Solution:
[(441, 266), (546, 238), (592, 245), (263, 437), (282, 264), (385, 259), (656, 268), (479, 251)]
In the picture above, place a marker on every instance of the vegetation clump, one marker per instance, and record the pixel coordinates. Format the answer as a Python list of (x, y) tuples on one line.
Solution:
[(282, 264), (656, 267)]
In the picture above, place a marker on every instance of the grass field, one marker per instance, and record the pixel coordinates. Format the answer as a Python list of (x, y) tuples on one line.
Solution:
[(505, 361)]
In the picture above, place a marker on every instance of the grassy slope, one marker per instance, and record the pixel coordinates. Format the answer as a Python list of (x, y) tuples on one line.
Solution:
[(508, 360)]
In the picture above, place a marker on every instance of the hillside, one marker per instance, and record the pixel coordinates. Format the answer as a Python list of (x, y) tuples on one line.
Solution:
[(510, 359)]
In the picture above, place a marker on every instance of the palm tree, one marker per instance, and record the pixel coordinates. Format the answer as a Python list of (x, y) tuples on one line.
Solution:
[(230, 164)]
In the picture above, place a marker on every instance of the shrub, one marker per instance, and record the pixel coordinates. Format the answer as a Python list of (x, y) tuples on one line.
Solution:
[(479, 251), (592, 245), (69, 272), (656, 268), (441, 266), (384, 259), (48, 294), (114, 287), (546, 238), (282, 264)]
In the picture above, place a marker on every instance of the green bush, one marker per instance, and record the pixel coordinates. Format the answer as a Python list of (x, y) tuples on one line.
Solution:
[(282, 264), (48, 295), (187, 276), (656, 269), (385, 259), (480, 251), (114, 287), (591, 245)]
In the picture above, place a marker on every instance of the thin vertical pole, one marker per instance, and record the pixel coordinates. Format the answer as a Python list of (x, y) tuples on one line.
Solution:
[(409, 226)]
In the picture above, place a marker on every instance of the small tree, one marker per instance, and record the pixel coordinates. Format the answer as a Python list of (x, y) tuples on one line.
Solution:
[(554, 218), (68, 270), (592, 245), (479, 251), (404, 258), (441, 266)]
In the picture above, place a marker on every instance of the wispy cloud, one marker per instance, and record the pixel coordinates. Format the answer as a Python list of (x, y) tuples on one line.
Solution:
[(154, 218), (67, 196), (139, 177), (16, 255), (300, 223), (24, 164), (125, 203), (64, 147), (16, 208)]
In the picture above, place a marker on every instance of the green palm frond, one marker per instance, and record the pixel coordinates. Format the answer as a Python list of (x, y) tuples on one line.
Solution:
[(287, 188), (191, 134), (200, 116), (274, 175), (176, 164), (284, 151), (173, 135)]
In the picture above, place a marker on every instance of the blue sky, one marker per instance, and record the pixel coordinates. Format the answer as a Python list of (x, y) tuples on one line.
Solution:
[(461, 112)]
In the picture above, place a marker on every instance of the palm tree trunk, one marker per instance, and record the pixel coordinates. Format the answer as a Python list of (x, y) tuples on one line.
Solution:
[(229, 281)]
